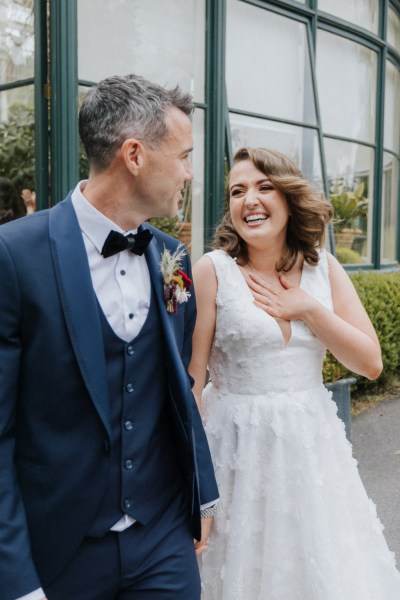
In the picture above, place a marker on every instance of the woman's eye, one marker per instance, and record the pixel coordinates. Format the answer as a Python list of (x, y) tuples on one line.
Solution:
[(236, 192), (265, 188)]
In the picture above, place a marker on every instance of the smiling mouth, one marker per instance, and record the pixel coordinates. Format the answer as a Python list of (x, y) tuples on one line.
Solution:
[(256, 218)]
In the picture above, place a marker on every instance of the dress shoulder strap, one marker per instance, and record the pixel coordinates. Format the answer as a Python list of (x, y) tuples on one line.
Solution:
[(229, 279)]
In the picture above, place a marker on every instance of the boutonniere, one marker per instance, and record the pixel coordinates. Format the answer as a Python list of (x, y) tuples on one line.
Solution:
[(176, 282)]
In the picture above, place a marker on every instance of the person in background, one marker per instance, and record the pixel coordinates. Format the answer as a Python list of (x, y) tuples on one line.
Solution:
[(29, 198), (294, 521), (105, 470), (11, 205)]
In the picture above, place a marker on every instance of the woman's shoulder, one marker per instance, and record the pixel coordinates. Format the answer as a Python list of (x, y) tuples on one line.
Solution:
[(316, 278)]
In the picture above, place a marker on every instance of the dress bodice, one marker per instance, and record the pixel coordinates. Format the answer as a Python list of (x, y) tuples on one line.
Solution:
[(248, 354)]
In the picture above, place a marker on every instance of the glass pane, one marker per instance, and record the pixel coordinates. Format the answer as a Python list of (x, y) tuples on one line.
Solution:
[(392, 103), (163, 41), (393, 29), (346, 75), (389, 231), (17, 40), (195, 209), (17, 142), (264, 75), (350, 170), (364, 13), (300, 144)]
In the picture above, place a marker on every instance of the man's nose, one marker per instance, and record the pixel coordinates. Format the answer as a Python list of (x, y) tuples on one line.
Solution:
[(189, 171)]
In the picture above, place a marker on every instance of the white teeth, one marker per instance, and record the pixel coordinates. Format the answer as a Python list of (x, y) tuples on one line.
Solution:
[(252, 218)]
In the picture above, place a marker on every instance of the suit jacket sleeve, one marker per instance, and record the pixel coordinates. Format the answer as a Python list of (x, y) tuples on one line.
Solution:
[(17, 572)]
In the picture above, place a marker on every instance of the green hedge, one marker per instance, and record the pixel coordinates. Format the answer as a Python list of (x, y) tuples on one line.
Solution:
[(380, 295)]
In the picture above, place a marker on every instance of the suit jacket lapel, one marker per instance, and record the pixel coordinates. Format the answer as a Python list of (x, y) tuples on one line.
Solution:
[(153, 258), (79, 303), (177, 376)]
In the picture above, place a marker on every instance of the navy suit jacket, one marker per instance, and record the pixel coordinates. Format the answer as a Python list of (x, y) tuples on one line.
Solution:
[(54, 404)]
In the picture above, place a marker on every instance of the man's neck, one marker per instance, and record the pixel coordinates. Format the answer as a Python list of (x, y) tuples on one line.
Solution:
[(110, 197)]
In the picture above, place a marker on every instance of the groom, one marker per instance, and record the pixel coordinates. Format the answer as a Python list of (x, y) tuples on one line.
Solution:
[(104, 465)]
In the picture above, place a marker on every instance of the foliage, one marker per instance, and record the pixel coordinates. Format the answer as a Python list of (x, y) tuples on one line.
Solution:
[(17, 147), (380, 295), (169, 225), (347, 256), (348, 205)]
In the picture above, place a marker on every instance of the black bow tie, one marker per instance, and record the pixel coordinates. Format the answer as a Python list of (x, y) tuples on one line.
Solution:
[(136, 243)]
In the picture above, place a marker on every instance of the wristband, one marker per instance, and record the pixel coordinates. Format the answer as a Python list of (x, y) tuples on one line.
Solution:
[(208, 512)]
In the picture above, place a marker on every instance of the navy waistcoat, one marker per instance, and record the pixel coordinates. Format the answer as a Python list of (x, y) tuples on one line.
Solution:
[(145, 472)]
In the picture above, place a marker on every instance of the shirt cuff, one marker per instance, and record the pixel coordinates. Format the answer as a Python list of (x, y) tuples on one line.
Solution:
[(36, 595), (209, 504)]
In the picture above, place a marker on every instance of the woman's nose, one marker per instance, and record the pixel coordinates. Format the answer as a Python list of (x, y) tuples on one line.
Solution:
[(251, 198)]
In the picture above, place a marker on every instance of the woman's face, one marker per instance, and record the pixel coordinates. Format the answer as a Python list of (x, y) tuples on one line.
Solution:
[(259, 211)]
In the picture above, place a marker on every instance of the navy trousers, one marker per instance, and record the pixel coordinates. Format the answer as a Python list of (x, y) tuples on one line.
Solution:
[(156, 562)]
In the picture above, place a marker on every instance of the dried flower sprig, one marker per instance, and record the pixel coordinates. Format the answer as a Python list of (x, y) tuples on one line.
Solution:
[(176, 282)]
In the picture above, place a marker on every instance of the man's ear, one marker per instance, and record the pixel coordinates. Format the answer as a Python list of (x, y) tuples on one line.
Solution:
[(132, 155)]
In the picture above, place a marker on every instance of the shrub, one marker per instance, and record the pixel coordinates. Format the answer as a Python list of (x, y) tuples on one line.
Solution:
[(17, 147), (380, 295), (346, 256)]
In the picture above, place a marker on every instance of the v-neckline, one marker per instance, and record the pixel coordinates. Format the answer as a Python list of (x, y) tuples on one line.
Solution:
[(250, 295)]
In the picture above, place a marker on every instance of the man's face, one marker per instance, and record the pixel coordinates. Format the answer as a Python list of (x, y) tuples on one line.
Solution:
[(168, 166)]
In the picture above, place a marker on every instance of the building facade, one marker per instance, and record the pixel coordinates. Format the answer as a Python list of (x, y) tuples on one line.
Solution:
[(316, 79)]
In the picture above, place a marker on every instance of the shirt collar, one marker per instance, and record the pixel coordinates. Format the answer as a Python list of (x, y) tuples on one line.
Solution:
[(93, 224)]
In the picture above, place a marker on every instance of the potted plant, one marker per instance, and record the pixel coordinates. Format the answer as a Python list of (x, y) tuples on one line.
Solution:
[(348, 205), (338, 380)]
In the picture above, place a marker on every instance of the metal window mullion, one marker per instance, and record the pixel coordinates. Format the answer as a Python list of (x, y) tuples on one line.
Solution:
[(41, 107), (378, 162), (215, 114), (312, 33), (64, 97)]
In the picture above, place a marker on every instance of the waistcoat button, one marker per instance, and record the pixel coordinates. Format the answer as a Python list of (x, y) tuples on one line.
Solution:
[(128, 425), (127, 503), (128, 464), (130, 350), (129, 388)]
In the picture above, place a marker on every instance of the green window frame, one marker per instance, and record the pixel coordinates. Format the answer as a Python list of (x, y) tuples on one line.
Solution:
[(56, 102)]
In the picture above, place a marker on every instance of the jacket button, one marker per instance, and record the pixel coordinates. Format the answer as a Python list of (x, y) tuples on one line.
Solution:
[(130, 388), (128, 425), (127, 503), (106, 446), (128, 464)]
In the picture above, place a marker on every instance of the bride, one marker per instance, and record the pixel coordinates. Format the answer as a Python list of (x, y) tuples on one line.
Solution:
[(294, 521)]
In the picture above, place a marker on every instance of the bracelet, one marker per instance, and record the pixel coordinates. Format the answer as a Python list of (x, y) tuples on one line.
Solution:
[(208, 512)]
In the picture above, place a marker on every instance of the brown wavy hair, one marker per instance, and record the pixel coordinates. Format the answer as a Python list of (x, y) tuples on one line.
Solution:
[(309, 210)]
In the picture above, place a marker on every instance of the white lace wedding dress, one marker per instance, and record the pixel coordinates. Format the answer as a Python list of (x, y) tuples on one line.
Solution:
[(294, 521)]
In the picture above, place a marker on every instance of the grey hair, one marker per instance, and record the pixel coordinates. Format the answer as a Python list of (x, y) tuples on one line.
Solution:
[(120, 107)]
